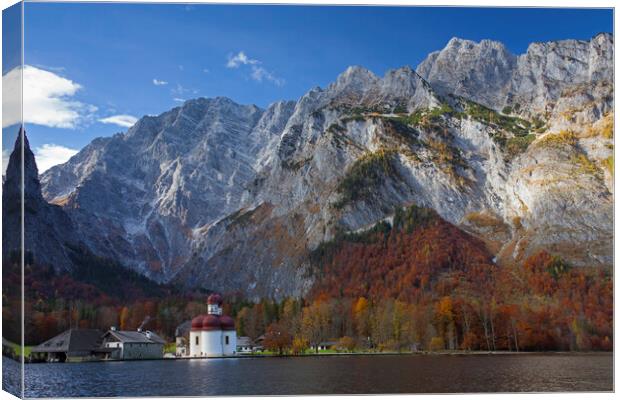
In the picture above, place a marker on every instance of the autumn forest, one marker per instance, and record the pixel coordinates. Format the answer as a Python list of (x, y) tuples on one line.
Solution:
[(419, 283)]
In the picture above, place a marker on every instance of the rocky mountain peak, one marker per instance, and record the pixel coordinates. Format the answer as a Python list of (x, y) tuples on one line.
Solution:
[(465, 67), (405, 70), (464, 45), (552, 78), (403, 86), (356, 73), (47, 229), (354, 81), (13, 183)]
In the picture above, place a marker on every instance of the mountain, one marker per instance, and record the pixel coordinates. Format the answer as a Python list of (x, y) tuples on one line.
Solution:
[(59, 265), (138, 196), (515, 149), (48, 231), (550, 80)]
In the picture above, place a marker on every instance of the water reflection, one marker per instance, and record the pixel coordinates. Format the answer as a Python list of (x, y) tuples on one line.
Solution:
[(323, 375)]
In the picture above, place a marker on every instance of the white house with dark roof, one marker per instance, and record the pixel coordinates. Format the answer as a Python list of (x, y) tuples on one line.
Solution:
[(133, 345), (244, 345)]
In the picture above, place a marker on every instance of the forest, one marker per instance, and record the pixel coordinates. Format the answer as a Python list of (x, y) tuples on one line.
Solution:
[(419, 283)]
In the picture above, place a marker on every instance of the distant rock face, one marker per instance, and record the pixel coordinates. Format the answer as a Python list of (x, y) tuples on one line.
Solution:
[(231, 197), (48, 232), (140, 195), (478, 71), (549, 80)]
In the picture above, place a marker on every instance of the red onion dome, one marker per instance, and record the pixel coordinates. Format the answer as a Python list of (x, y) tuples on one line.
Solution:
[(228, 324), (197, 322), (215, 298), (211, 323)]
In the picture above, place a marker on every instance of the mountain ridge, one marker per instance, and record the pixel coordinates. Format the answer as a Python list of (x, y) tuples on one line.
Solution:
[(237, 196)]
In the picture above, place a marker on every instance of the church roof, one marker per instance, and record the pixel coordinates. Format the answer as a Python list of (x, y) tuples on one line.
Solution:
[(211, 323), (228, 324)]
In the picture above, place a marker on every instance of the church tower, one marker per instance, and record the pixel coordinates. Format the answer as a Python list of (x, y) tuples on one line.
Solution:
[(213, 334)]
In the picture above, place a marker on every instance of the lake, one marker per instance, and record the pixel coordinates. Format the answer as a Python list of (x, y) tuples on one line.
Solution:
[(322, 375)]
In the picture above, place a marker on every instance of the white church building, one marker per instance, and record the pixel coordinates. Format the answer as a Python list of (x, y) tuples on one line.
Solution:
[(213, 334)]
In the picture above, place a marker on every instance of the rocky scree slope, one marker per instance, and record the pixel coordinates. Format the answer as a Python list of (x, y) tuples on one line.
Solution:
[(515, 149)]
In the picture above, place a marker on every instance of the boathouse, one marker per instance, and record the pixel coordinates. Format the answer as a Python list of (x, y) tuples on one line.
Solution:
[(71, 345)]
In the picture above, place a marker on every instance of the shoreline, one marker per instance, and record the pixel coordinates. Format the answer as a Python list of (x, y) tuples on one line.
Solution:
[(415, 353), (354, 354)]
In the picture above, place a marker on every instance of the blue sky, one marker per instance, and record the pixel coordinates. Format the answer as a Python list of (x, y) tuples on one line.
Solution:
[(113, 62), (11, 58)]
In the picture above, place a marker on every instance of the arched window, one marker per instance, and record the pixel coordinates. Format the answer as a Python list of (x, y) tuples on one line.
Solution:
[(226, 339), (197, 340)]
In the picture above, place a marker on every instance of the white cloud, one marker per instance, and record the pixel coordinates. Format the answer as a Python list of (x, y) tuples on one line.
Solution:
[(158, 82), (47, 99), (178, 99), (121, 120), (259, 74), (6, 154), (205, 70), (240, 59), (49, 155), (50, 68)]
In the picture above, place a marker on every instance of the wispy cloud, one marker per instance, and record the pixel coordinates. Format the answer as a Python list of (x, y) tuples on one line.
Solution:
[(180, 90), (158, 82), (234, 61), (123, 120), (257, 72), (178, 100), (49, 155), (48, 99), (205, 70)]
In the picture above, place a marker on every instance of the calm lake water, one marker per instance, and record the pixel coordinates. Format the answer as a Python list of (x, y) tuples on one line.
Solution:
[(323, 375)]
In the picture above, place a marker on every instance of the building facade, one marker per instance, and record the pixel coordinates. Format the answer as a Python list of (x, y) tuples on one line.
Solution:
[(213, 334), (133, 345)]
